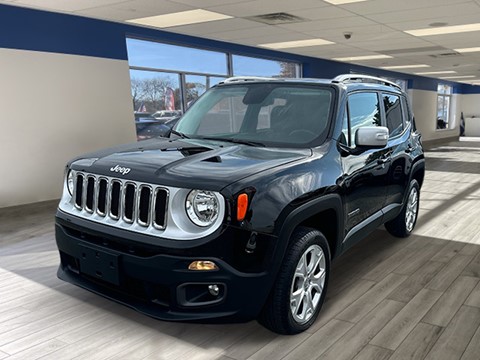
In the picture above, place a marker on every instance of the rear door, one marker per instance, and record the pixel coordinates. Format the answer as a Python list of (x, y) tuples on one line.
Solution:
[(399, 145)]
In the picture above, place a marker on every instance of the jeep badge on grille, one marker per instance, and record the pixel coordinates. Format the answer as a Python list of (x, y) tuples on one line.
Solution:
[(120, 169)]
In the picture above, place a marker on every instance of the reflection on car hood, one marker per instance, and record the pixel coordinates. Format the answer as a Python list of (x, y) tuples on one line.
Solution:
[(187, 163)]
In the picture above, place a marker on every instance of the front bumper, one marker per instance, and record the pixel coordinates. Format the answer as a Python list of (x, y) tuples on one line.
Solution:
[(157, 282)]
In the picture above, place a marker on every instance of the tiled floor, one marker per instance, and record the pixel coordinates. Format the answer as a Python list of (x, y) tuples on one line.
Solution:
[(415, 298)]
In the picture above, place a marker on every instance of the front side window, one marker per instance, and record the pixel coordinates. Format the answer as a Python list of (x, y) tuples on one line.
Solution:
[(393, 114), (364, 110), (274, 114), (444, 98)]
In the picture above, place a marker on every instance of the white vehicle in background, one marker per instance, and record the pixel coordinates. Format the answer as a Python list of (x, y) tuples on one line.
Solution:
[(166, 115)]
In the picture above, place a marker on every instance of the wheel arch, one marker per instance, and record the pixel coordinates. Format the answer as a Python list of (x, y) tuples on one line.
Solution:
[(324, 214), (418, 171)]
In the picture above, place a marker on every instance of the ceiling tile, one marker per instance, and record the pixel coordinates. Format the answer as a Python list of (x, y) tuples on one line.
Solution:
[(259, 7), (265, 39), (328, 51), (62, 5), (358, 34), (391, 44), (220, 26), (321, 13), (134, 9), (318, 25), (203, 4), (251, 33), (394, 6), (434, 14)]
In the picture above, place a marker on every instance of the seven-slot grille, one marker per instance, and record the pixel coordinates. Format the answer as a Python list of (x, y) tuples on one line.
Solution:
[(121, 200)]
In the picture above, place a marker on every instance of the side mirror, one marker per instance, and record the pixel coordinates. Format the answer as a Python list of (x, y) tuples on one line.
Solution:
[(371, 137)]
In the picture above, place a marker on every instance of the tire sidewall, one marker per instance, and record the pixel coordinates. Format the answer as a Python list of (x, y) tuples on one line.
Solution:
[(413, 185), (313, 237)]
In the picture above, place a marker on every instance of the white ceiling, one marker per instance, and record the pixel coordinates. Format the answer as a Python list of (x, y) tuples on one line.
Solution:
[(377, 26)]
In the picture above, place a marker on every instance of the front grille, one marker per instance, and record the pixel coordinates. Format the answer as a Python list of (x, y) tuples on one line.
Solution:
[(121, 200)]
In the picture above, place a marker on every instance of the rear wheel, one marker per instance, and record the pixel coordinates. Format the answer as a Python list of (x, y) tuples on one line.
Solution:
[(403, 224), (300, 288)]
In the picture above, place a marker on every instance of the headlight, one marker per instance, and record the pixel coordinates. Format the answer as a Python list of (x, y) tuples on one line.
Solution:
[(70, 182), (202, 207)]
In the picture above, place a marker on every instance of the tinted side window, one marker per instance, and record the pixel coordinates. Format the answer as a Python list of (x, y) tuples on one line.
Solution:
[(393, 114), (364, 110), (345, 136)]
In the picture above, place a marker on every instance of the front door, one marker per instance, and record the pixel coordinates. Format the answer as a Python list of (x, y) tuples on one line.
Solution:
[(365, 172)]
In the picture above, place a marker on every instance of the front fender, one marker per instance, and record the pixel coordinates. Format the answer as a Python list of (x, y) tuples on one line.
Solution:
[(287, 223)]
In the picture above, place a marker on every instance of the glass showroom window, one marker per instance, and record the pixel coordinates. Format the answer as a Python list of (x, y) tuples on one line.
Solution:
[(248, 66), (154, 55), (156, 99), (444, 100), (166, 79), (155, 91)]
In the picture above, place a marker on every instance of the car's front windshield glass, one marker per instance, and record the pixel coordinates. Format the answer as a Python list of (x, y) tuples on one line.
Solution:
[(277, 114)]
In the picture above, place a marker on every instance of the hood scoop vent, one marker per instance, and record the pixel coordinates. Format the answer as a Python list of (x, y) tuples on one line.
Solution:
[(214, 159), (193, 150)]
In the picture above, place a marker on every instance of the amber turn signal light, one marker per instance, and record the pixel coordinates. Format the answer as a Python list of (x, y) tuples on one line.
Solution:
[(202, 265), (242, 205)]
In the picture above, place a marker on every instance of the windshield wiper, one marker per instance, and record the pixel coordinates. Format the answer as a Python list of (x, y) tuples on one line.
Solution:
[(235, 141), (178, 133)]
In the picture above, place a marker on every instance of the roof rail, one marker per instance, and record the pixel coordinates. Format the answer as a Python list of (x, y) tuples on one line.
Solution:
[(244, 78), (364, 79)]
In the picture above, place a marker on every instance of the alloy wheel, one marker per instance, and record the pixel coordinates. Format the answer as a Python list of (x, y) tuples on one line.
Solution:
[(307, 284)]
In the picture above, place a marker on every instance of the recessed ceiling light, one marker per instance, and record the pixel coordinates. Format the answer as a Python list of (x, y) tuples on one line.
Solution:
[(365, 57), (436, 72), (297, 43), (458, 77), (467, 50), (405, 66), (341, 2), (444, 30), (180, 18)]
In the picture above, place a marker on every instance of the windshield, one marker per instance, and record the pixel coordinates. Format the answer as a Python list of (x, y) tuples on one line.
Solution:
[(270, 114)]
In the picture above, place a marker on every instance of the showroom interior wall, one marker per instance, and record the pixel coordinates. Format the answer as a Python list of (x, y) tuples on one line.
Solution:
[(65, 90)]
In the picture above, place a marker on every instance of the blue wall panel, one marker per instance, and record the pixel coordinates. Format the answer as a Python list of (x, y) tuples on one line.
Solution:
[(28, 29)]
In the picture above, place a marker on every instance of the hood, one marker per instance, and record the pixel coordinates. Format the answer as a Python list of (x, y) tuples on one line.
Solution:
[(188, 163)]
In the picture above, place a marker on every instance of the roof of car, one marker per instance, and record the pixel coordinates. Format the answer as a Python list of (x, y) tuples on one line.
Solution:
[(351, 81)]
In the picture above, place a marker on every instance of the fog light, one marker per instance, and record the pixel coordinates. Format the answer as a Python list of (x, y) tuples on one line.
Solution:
[(213, 290), (203, 265)]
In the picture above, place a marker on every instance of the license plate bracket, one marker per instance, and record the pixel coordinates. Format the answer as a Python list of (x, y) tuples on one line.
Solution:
[(100, 264)]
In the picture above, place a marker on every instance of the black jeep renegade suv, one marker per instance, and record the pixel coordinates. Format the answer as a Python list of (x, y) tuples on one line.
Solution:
[(238, 214)]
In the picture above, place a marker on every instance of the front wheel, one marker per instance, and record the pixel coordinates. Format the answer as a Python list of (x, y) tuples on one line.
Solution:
[(300, 288), (403, 224)]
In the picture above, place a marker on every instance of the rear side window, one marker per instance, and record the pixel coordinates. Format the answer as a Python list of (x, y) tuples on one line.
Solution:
[(364, 110), (393, 114)]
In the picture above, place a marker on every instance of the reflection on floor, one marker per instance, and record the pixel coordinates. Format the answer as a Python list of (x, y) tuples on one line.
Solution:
[(415, 298)]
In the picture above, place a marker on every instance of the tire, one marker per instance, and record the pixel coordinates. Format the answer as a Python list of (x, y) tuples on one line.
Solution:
[(403, 225), (293, 304)]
